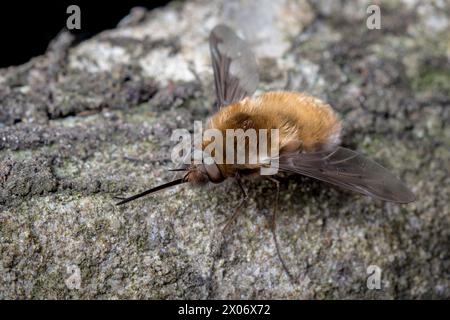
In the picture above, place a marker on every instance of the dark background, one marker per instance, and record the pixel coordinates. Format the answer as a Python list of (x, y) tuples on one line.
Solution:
[(26, 28)]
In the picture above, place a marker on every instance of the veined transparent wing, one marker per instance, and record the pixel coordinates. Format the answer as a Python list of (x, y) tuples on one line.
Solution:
[(350, 170), (235, 69)]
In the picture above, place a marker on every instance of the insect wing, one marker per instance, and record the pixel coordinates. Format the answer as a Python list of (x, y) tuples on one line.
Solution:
[(350, 170), (234, 65)]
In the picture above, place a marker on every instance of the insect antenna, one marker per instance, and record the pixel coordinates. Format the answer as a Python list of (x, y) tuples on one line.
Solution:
[(153, 190)]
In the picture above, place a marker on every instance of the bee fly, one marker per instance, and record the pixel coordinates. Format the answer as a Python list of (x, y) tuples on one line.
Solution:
[(309, 133)]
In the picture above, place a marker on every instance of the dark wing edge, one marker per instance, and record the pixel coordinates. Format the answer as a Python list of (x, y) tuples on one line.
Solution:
[(350, 170), (234, 66)]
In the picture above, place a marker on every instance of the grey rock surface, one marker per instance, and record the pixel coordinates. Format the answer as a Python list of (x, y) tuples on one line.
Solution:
[(85, 122)]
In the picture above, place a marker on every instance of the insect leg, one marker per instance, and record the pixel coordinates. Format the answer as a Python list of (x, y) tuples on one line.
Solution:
[(241, 203), (273, 229)]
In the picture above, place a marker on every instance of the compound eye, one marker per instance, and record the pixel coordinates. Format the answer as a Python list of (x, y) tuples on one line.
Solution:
[(213, 172)]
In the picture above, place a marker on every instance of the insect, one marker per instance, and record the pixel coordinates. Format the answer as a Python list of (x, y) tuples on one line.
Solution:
[(309, 132)]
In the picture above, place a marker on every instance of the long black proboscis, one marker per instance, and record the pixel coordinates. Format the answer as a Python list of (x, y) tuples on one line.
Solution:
[(155, 189)]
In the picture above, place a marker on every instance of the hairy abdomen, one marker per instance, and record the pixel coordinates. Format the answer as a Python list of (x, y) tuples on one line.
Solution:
[(305, 123)]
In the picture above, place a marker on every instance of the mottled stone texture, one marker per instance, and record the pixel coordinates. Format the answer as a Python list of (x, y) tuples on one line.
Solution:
[(85, 122)]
